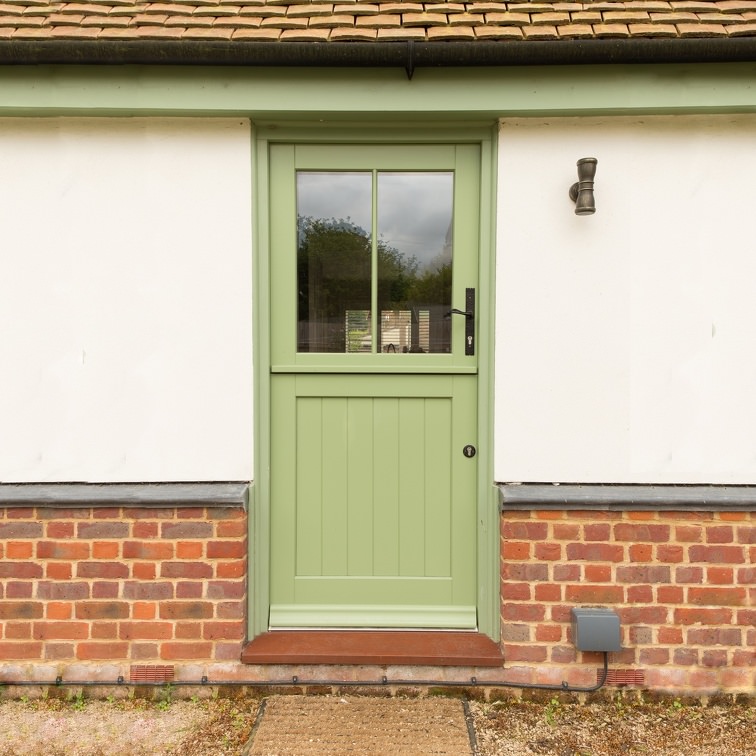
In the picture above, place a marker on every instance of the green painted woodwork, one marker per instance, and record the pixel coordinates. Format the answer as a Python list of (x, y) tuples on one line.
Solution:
[(489, 544), (387, 94), (373, 502), (488, 613), (373, 506), (463, 159), (259, 519), (384, 615)]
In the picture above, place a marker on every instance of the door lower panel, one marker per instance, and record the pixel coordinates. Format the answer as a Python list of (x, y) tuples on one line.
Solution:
[(374, 501)]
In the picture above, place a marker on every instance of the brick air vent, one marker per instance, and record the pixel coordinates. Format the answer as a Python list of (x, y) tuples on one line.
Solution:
[(151, 673), (621, 677)]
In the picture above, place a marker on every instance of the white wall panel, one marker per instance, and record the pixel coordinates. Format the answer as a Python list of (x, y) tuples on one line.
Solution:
[(626, 341), (125, 300)]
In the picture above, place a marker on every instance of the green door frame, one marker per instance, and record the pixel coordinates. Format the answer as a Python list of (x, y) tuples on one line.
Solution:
[(482, 134)]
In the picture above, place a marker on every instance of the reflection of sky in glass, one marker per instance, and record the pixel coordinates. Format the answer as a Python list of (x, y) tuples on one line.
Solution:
[(414, 209), (338, 195), (415, 214)]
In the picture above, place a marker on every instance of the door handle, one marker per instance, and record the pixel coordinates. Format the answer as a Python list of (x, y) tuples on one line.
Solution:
[(469, 314)]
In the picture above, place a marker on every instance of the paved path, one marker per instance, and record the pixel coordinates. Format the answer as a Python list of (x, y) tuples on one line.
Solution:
[(357, 726)]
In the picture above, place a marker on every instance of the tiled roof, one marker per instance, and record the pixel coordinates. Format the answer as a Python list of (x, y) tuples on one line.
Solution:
[(362, 20)]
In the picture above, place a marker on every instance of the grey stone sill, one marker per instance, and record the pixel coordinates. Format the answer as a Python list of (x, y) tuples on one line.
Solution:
[(698, 498), (227, 494)]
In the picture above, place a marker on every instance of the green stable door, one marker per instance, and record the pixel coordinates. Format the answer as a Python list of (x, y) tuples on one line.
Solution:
[(374, 268)]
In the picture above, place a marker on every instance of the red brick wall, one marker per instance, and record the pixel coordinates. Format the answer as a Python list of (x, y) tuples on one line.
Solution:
[(683, 584), (122, 584), (117, 586)]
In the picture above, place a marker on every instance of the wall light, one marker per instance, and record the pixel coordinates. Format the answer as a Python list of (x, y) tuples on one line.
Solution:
[(581, 193)]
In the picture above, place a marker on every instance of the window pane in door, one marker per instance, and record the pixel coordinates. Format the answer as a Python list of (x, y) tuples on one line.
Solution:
[(334, 252), (415, 213)]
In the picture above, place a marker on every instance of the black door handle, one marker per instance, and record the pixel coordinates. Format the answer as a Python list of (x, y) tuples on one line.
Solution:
[(469, 314)]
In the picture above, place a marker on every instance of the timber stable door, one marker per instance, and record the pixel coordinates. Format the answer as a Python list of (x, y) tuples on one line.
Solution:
[(374, 264)]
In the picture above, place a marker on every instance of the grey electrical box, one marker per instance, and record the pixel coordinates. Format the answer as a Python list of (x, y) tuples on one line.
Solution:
[(595, 630)]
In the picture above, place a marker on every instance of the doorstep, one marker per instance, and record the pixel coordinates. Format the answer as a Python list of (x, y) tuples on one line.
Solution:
[(437, 648)]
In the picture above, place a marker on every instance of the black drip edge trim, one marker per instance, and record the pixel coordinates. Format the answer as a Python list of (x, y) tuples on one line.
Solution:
[(407, 55)]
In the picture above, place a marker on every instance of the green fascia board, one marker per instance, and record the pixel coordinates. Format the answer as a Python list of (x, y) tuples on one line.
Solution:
[(270, 94)]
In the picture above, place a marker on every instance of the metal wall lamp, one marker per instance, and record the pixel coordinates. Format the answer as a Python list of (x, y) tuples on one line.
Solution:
[(581, 193)]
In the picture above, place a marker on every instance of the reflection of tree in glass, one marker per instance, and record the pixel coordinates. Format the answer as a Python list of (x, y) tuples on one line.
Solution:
[(334, 264), (433, 286), (333, 267), (338, 254)]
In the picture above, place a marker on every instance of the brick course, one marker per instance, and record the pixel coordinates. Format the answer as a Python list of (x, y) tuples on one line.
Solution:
[(98, 582), (89, 588), (683, 584)]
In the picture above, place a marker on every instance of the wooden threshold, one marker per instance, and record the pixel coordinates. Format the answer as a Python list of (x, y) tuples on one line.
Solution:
[(435, 648)]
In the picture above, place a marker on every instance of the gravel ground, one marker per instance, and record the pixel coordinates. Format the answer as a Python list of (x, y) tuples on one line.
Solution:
[(614, 729), (79, 727), (222, 727)]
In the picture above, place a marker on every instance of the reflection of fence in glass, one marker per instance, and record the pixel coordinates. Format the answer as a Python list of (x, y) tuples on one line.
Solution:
[(396, 331), (358, 336)]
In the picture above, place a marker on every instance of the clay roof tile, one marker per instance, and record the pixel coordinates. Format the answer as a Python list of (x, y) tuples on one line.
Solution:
[(368, 20)]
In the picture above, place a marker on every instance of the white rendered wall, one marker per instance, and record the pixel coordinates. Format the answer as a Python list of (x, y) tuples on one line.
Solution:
[(125, 300), (626, 340)]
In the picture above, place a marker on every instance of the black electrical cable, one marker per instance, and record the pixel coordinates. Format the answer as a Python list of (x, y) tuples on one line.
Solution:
[(564, 687)]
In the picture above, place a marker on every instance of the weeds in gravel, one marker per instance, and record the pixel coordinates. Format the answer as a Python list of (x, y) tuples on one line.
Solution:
[(78, 702), (551, 711), (619, 705), (165, 698)]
